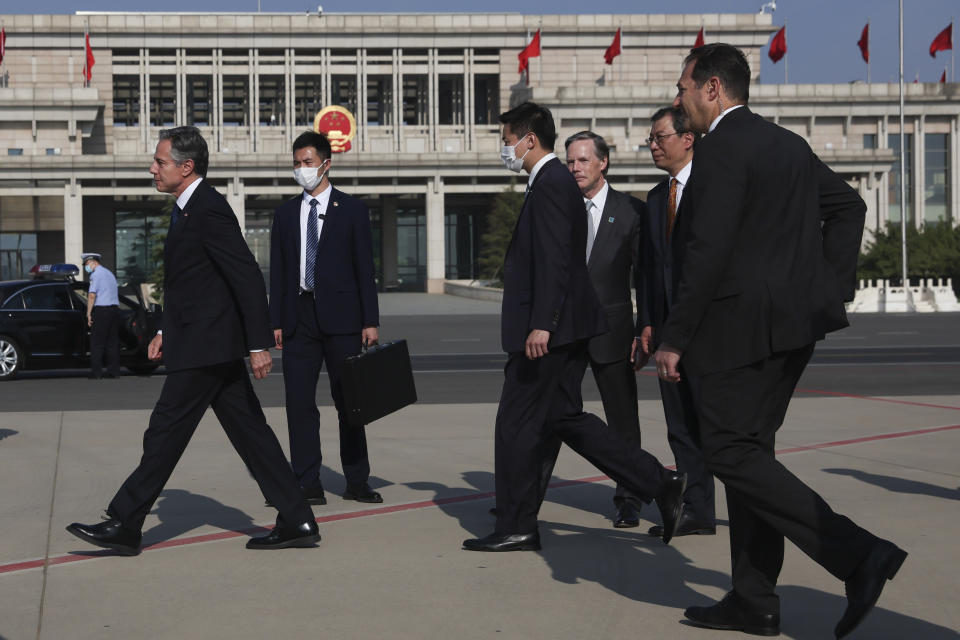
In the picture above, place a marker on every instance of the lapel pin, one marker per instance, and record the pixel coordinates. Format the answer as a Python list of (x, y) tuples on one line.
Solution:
[(336, 204), (610, 219)]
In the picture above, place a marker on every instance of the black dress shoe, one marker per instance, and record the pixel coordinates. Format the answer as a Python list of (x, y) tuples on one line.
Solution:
[(627, 517), (109, 534), (305, 534), (670, 503), (686, 526), (728, 616), (866, 583), (504, 542), (362, 494)]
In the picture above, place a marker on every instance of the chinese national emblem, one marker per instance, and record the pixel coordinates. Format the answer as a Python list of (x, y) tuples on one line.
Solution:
[(338, 125)]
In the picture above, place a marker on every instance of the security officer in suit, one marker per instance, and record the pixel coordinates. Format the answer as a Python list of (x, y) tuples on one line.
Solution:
[(215, 313), (771, 239), (671, 145), (550, 310), (323, 309)]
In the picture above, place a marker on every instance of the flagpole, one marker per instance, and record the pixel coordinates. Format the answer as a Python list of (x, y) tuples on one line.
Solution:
[(786, 54), (540, 64), (868, 50), (903, 185)]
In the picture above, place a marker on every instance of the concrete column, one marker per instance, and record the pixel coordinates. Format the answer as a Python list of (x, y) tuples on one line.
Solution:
[(954, 204), (236, 200), (919, 169), (388, 241), (436, 251), (72, 221)]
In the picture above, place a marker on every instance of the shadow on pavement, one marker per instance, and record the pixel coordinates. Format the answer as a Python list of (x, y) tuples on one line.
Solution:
[(181, 511), (899, 485), (6, 433), (809, 614)]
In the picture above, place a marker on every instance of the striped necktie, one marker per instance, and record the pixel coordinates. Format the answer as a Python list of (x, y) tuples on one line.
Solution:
[(311, 248), (591, 228), (671, 207)]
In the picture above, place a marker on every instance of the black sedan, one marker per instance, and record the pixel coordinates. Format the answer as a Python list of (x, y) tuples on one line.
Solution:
[(43, 325)]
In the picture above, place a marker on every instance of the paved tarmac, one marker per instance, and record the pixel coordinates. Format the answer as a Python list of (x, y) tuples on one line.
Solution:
[(396, 570)]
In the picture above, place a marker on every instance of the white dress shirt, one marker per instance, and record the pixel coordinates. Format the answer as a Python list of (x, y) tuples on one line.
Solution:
[(682, 177), (184, 197), (323, 198), (536, 168)]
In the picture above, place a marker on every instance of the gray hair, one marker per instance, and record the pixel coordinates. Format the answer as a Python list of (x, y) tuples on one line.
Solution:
[(600, 146), (186, 143)]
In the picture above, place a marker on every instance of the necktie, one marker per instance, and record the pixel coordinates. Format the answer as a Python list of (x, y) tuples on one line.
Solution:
[(671, 207), (591, 228), (175, 215), (311, 247)]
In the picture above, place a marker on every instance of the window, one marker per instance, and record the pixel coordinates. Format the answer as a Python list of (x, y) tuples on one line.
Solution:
[(126, 101), (15, 151), (47, 298), (307, 99), (936, 186), (273, 103), (18, 254), (894, 182), (199, 99), (415, 100), (345, 93), (486, 98), (450, 99), (869, 141), (235, 96), (379, 100), (163, 101), (139, 236)]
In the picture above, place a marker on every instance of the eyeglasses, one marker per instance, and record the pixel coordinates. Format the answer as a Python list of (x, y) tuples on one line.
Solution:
[(660, 137)]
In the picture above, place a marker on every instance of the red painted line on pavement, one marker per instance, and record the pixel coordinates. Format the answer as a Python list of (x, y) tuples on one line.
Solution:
[(840, 394), (423, 504)]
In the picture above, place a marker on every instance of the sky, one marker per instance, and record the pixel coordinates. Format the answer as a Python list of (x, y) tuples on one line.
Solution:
[(821, 34)]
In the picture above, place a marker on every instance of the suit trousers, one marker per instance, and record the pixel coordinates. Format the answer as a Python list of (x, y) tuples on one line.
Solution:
[(105, 340), (304, 352), (740, 412), (617, 383), (184, 399), (541, 403), (683, 434)]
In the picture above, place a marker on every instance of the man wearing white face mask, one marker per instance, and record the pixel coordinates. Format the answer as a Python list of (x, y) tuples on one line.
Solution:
[(323, 308)]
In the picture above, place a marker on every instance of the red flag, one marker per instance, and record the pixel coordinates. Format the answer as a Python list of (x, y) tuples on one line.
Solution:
[(699, 42), (778, 46), (943, 77), (532, 50), (88, 67), (864, 43), (943, 41), (3, 43), (613, 50)]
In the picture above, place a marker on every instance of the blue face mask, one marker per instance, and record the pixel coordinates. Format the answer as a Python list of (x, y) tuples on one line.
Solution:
[(88, 268)]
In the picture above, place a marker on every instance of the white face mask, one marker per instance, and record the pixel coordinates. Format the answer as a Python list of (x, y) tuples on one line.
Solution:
[(307, 177), (508, 155)]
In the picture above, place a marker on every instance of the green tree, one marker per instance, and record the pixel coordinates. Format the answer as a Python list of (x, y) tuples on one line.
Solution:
[(159, 239), (933, 251), (500, 224)]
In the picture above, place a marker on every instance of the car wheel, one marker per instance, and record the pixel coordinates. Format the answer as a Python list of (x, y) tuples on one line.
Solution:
[(143, 370), (11, 358)]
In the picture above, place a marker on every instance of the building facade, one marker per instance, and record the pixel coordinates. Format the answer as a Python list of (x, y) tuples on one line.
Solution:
[(425, 90)]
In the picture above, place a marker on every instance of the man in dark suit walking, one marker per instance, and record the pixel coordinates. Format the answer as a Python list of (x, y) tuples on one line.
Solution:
[(550, 310), (215, 312), (771, 241), (612, 256), (323, 309), (671, 145)]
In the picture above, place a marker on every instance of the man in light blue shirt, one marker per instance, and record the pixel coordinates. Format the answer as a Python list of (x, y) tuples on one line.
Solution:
[(103, 317)]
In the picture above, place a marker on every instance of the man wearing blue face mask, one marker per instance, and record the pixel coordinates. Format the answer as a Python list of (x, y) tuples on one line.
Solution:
[(323, 309), (550, 311), (103, 317)]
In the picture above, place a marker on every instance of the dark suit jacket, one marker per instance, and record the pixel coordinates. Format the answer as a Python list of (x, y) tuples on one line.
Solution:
[(614, 259), (345, 290), (545, 280), (771, 238), (660, 275), (215, 300)]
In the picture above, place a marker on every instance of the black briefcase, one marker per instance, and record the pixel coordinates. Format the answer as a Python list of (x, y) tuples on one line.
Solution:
[(377, 382)]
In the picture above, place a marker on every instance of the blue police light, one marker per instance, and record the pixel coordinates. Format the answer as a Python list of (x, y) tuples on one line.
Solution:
[(60, 270)]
